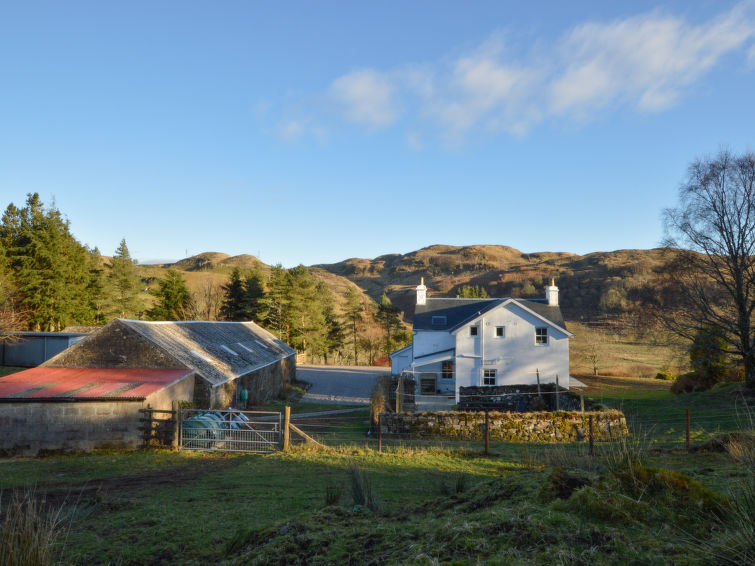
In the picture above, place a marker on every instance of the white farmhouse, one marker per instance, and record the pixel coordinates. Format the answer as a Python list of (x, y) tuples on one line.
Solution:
[(463, 342)]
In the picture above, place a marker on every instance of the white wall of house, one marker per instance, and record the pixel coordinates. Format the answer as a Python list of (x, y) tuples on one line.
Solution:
[(401, 361), (431, 341), (516, 356)]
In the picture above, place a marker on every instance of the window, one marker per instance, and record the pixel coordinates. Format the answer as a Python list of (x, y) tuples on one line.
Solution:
[(488, 377), (541, 336), (500, 331), (473, 331), (439, 321), (447, 370)]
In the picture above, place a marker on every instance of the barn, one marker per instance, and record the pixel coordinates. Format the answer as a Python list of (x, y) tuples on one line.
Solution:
[(89, 395)]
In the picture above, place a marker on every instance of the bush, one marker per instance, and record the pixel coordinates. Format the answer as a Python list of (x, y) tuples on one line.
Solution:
[(692, 382), (665, 376)]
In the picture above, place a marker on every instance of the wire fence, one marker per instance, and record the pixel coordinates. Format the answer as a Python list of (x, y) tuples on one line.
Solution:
[(678, 428)]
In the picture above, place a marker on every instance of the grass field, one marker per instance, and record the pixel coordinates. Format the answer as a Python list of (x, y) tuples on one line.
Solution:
[(436, 503)]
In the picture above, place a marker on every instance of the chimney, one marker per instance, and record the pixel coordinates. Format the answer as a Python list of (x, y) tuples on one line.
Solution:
[(551, 294), (421, 292)]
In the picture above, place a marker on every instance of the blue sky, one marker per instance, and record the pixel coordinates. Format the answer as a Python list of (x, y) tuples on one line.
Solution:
[(311, 132)]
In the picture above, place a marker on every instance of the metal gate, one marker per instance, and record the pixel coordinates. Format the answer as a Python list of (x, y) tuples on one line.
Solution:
[(229, 431)]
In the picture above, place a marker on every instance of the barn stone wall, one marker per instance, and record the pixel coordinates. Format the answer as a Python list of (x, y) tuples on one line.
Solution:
[(114, 346), (562, 426), (75, 426), (264, 384)]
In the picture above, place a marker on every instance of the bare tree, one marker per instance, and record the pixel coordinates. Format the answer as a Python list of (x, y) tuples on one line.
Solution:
[(714, 228)]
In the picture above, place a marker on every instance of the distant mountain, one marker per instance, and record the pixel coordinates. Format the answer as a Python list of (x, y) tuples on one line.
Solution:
[(591, 286)]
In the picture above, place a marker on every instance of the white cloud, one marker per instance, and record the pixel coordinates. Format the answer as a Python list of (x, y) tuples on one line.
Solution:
[(368, 97), (291, 130), (646, 63), (645, 60)]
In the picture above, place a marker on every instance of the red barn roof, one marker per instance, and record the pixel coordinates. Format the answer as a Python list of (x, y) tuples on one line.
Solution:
[(90, 384)]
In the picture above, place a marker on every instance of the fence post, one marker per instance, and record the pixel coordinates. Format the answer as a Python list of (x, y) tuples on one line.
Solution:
[(399, 391), (592, 448), (286, 432), (687, 419), (380, 432), (179, 424), (487, 433), (582, 402), (558, 395), (537, 373)]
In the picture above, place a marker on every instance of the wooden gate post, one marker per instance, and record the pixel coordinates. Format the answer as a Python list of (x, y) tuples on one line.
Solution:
[(286, 432), (592, 448)]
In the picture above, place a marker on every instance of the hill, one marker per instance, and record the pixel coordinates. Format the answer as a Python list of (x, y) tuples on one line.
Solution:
[(593, 286)]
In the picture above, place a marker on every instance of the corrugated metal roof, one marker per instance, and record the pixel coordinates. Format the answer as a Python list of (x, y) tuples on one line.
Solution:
[(218, 351), (87, 383)]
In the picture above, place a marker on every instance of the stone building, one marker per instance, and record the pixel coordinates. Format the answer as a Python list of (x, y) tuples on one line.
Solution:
[(89, 395)]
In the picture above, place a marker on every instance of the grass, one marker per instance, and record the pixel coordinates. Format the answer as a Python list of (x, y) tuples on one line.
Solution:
[(439, 502)]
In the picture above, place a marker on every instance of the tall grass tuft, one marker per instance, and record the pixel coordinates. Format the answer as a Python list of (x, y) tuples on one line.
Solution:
[(361, 489), (29, 532)]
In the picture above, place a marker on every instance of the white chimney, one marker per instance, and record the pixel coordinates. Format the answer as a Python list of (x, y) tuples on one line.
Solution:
[(551, 294), (421, 292)]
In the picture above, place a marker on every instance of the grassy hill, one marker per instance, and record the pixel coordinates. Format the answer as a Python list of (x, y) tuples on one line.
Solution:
[(601, 293)]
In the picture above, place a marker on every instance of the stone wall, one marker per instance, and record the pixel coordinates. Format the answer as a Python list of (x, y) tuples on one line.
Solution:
[(562, 426), (115, 346), (521, 398), (264, 384)]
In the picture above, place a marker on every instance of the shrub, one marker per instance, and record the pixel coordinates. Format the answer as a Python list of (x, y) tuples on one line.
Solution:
[(665, 376), (692, 382)]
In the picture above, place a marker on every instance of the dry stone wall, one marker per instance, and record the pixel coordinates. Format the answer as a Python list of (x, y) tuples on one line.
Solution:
[(562, 426)]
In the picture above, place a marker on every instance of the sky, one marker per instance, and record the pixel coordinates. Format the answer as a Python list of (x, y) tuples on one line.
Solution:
[(312, 132)]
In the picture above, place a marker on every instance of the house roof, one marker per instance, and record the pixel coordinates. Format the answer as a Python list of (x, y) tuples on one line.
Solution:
[(458, 312), (218, 351), (86, 384), (400, 351)]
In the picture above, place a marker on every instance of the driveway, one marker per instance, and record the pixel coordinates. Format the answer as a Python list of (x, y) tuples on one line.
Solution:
[(347, 385)]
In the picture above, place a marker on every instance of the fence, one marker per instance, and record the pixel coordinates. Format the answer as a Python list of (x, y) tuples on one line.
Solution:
[(158, 427), (229, 431), (676, 428)]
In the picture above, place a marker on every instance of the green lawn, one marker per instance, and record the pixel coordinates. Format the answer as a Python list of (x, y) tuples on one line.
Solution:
[(439, 502)]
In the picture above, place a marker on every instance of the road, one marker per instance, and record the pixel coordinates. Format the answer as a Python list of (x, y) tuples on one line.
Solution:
[(337, 384)]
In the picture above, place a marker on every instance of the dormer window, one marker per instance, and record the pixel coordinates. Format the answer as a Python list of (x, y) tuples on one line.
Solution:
[(439, 321), (473, 330)]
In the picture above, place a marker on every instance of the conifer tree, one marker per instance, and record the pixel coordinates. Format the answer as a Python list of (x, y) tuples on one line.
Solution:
[(125, 283), (174, 301), (49, 265), (353, 311), (254, 294), (388, 317), (234, 307)]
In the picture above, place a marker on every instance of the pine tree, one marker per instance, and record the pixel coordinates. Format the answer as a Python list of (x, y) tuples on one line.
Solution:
[(353, 311), (174, 301), (49, 266), (388, 317), (234, 307), (276, 303), (254, 295), (472, 292), (125, 283)]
